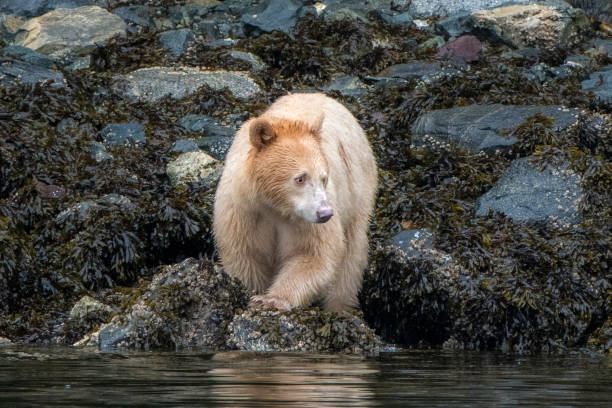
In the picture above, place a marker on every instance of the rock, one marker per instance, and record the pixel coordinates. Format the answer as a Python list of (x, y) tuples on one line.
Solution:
[(19, 72), (98, 152), (218, 138), (400, 5), (50, 190), (411, 241), (275, 15), (185, 145), (74, 32), (441, 8), (5, 342), (30, 56), (151, 84), (187, 305), (194, 167), (347, 85), (600, 83), (256, 63), (309, 331), (478, 127), (136, 15), (87, 307), (395, 18), (406, 296), (35, 8), (550, 25), (413, 70), (176, 41), (197, 16), (525, 194), (602, 47), (467, 47), (337, 10), (82, 211), (9, 25), (123, 134)]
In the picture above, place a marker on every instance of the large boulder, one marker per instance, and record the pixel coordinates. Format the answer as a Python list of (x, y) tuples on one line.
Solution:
[(151, 84), (524, 193), (549, 25), (441, 8), (34, 8), (478, 127), (187, 305), (74, 32), (600, 83), (300, 330)]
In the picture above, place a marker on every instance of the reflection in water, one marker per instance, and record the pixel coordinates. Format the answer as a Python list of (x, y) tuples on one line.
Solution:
[(277, 380), (66, 377)]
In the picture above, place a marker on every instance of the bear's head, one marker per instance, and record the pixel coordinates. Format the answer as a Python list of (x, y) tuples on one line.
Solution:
[(289, 170)]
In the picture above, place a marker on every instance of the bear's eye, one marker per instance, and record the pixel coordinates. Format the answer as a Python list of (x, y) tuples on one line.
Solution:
[(300, 179), (324, 180)]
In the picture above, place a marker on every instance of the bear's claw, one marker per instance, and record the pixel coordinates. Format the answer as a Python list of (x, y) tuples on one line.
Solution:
[(268, 302)]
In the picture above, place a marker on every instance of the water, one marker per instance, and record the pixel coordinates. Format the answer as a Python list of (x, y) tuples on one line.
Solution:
[(51, 377)]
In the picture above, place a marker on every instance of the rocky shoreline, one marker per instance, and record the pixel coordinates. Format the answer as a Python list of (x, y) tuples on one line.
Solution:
[(490, 121)]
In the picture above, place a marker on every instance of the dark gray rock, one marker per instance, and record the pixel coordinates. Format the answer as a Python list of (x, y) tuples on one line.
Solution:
[(400, 5), (98, 152), (176, 41), (20, 72), (185, 145), (85, 210), (309, 331), (218, 138), (414, 70), (394, 18), (194, 15), (603, 47), (600, 83), (123, 134), (187, 305), (30, 56), (525, 194), (477, 127), (137, 15), (352, 9), (9, 25), (34, 8), (274, 15), (347, 85), (256, 63), (410, 241), (151, 84)]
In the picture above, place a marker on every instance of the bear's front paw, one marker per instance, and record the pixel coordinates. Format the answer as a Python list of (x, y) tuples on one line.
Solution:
[(268, 302)]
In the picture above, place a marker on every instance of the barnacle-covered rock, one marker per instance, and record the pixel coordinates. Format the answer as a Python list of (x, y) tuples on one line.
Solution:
[(186, 305), (308, 330), (600, 83), (194, 166), (525, 193), (151, 84), (479, 127)]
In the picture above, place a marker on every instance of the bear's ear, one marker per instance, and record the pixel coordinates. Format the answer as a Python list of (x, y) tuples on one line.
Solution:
[(315, 128), (261, 133)]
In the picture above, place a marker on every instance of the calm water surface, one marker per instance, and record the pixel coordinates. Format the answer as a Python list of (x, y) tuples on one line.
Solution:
[(50, 377)]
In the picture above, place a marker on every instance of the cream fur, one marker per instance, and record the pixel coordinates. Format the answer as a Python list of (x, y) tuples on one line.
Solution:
[(286, 260)]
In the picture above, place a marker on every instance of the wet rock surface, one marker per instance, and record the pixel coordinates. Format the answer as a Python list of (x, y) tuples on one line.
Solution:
[(187, 305), (479, 127), (310, 331), (470, 249), (524, 193)]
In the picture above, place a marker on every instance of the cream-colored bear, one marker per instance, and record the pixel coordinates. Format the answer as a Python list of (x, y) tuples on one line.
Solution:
[(294, 203)]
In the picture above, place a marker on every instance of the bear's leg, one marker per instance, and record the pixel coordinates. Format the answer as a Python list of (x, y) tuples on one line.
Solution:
[(342, 292), (243, 246), (302, 276)]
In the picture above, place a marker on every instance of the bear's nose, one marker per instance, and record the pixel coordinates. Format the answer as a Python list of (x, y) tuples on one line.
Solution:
[(324, 215)]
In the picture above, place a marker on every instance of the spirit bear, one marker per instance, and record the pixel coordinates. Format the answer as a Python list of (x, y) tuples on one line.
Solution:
[(294, 203)]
